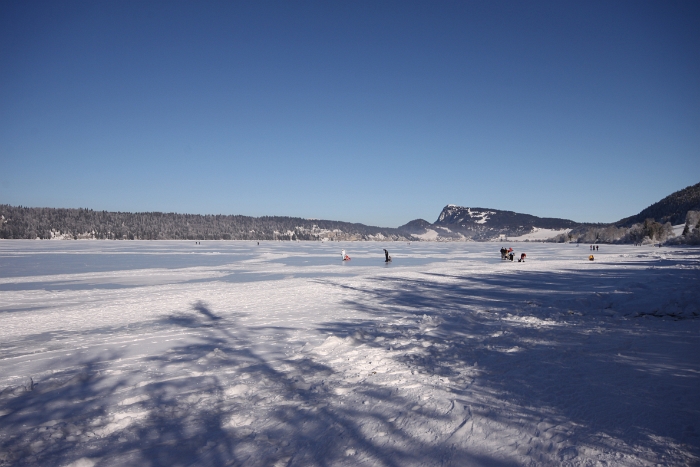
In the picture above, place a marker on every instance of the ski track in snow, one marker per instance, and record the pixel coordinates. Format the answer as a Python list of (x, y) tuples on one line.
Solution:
[(229, 353)]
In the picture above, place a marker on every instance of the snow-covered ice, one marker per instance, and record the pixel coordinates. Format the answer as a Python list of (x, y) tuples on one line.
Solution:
[(229, 353)]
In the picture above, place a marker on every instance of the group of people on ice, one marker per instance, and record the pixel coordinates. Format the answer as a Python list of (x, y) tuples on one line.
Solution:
[(509, 254)]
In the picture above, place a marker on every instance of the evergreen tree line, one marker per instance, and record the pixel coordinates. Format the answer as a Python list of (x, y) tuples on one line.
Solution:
[(45, 223), (18, 222), (672, 208)]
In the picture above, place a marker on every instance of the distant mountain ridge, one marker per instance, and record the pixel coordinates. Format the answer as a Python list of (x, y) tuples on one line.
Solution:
[(484, 224), (458, 222), (455, 223)]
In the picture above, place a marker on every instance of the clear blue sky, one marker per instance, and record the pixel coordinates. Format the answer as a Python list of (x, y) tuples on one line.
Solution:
[(372, 112)]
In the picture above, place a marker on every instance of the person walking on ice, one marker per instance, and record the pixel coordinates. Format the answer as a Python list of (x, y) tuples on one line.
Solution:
[(388, 258)]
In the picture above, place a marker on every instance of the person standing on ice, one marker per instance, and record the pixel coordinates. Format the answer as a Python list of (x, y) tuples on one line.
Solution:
[(388, 258)]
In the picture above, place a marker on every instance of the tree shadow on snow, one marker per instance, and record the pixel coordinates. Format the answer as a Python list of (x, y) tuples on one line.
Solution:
[(546, 356), (212, 400), (553, 357)]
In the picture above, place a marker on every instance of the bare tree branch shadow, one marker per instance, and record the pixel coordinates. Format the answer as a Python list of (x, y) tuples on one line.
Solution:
[(219, 397), (201, 307), (588, 392), (213, 400)]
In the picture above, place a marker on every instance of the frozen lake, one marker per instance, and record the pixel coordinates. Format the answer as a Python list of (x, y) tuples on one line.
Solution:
[(233, 353)]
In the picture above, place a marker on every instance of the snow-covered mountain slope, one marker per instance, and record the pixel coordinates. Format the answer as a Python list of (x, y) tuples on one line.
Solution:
[(465, 218), (538, 234), (429, 235)]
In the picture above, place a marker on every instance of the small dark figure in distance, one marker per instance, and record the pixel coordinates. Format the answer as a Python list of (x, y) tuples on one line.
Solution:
[(388, 258), (522, 258), (511, 255), (596, 248)]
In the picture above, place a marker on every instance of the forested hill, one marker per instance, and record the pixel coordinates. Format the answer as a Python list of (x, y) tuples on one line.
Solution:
[(672, 208), (46, 223)]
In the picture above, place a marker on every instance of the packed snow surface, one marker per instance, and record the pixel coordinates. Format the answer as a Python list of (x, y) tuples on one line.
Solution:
[(230, 353)]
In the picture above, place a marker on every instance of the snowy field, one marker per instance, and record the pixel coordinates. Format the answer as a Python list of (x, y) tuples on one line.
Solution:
[(228, 353)]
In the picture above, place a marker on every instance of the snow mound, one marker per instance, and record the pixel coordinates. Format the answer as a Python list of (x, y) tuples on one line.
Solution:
[(237, 390), (331, 344), (213, 356)]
